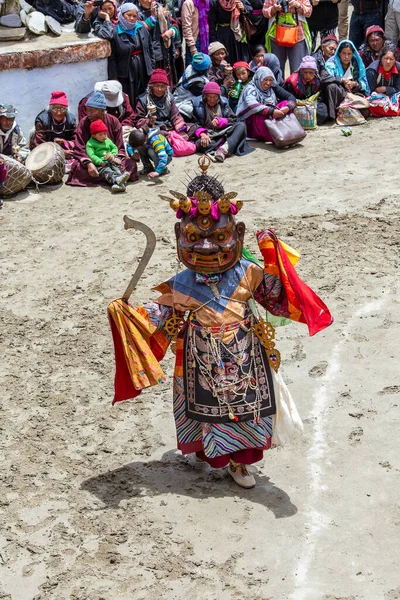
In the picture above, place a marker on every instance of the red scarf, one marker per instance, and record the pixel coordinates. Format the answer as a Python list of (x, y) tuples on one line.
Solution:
[(387, 74)]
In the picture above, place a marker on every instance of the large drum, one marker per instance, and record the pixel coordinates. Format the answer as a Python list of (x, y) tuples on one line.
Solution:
[(47, 163), (18, 176)]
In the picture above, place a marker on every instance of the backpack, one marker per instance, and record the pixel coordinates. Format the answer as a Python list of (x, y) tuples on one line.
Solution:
[(63, 11)]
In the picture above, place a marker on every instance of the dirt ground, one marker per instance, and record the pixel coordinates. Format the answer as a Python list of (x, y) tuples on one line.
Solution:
[(95, 501)]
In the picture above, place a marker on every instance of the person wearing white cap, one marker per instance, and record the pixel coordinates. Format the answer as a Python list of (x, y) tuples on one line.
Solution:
[(118, 104), (12, 140)]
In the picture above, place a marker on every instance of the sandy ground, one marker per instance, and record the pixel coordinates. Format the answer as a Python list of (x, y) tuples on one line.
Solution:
[(96, 503)]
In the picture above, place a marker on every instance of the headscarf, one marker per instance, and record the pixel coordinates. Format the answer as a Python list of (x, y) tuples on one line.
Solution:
[(231, 6), (114, 19), (334, 66), (254, 99), (125, 26), (203, 7)]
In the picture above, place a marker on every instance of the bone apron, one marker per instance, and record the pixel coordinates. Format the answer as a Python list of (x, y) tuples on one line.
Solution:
[(229, 399)]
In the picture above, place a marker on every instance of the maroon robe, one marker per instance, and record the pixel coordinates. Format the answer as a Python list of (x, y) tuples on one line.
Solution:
[(79, 174), (124, 113)]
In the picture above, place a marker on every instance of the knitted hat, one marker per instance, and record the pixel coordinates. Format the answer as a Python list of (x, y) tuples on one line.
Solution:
[(330, 38), (97, 127), (159, 76), (308, 62), (58, 97), (214, 47), (97, 100), (241, 63), (212, 88), (374, 29), (112, 91), (200, 61)]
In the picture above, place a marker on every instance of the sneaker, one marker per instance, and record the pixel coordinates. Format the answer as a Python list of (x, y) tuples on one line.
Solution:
[(240, 475), (116, 189), (122, 179), (220, 155)]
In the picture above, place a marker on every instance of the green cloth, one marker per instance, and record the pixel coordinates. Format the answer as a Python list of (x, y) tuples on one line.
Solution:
[(275, 321), (96, 150)]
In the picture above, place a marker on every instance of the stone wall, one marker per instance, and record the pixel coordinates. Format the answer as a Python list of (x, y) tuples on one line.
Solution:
[(30, 72)]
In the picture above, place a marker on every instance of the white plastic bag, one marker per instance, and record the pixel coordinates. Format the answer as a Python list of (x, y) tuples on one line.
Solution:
[(286, 423)]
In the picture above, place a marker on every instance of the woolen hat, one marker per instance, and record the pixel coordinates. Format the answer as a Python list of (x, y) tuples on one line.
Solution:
[(97, 100), (374, 29), (112, 91), (59, 97), (214, 47), (97, 127), (330, 38), (241, 63), (212, 88), (308, 62), (158, 76), (200, 61)]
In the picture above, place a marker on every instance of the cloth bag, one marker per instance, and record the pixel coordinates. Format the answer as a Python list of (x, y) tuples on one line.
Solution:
[(306, 112), (180, 146), (349, 110), (285, 132), (287, 35), (381, 105)]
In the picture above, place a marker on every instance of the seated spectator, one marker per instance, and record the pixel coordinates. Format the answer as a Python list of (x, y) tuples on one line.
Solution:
[(220, 70), (192, 82), (371, 49), (118, 104), (345, 72), (55, 124), (217, 131), (326, 50), (159, 103), (305, 83), (242, 75), (154, 150), (83, 172), (263, 99), (384, 82), (103, 154), (262, 58), (12, 140)]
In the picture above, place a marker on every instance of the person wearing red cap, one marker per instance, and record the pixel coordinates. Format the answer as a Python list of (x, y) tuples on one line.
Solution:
[(371, 49), (327, 49), (365, 13), (55, 124), (217, 130), (242, 75), (157, 107), (103, 154)]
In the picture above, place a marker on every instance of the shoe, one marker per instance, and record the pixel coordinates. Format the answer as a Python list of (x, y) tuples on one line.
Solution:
[(220, 155), (123, 178), (145, 171), (240, 475), (116, 189)]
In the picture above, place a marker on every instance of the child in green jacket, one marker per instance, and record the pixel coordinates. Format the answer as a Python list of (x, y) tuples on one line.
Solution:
[(103, 153)]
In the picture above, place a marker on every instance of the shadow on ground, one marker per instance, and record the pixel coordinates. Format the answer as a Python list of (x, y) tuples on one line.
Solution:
[(178, 475)]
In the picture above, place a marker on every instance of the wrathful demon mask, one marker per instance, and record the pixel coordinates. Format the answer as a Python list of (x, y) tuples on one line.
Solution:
[(208, 238)]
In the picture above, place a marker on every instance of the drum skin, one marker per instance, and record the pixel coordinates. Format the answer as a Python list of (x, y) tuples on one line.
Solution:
[(47, 163), (18, 176)]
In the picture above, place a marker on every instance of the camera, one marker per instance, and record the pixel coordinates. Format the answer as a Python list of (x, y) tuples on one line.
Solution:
[(285, 6), (98, 3)]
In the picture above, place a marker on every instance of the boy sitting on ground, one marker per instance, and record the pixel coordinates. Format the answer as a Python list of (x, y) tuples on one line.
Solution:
[(102, 152), (153, 148)]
